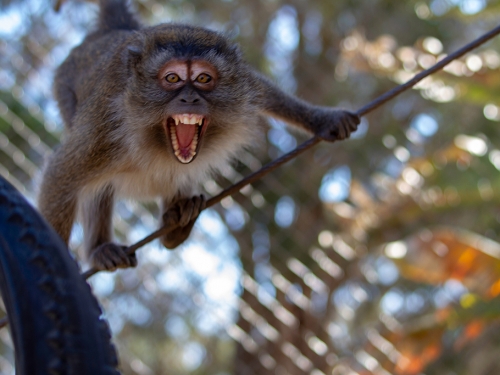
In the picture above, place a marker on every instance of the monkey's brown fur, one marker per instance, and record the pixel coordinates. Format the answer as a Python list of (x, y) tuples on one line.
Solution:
[(115, 110)]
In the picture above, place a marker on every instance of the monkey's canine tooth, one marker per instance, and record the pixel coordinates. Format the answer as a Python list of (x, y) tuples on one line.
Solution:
[(176, 120)]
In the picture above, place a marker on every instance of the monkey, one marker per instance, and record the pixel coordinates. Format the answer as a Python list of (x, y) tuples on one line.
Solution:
[(151, 113)]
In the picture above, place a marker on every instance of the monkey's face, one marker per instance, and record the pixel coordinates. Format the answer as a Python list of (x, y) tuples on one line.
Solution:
[(187, 114), (188, 95)]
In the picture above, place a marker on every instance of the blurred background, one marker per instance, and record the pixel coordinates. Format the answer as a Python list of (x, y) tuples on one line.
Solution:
[(378, 255)]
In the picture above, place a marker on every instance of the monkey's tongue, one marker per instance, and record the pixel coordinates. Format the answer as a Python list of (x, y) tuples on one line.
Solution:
[(185, 134)]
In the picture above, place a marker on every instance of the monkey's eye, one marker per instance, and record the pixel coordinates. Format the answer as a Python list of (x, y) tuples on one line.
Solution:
[(172, 78), (203, 78)]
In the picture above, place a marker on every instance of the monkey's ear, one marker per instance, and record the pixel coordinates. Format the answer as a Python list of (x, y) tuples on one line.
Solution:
[(135, 52), (134, 55)]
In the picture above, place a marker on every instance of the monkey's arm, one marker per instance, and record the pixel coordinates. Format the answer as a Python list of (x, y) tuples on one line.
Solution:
[(97, 212), (68, 171), (328, 123), (188, 210)]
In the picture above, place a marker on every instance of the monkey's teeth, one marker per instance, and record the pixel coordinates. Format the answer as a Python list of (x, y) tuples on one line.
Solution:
[(194, 143), (175, 143), (188, 119), (186, 154)]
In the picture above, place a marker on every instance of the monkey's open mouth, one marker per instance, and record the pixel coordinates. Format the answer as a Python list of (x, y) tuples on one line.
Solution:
[(185, 131)]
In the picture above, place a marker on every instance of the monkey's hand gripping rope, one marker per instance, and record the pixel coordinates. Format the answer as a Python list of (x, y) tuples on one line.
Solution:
[(172, 216)]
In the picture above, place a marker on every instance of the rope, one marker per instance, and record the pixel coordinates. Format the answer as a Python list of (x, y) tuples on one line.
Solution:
[(171, 221), (172, 217)]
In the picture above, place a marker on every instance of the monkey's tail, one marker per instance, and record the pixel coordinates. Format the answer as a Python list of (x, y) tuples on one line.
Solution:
[(116, 15)]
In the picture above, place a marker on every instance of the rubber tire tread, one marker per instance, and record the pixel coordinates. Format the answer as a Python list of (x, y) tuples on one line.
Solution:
[(53, 317)]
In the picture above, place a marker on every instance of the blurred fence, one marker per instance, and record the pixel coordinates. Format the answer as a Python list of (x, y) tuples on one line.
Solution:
[(379, 256)]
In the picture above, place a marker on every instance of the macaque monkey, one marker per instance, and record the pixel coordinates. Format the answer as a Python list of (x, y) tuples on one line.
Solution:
[(151, 112)]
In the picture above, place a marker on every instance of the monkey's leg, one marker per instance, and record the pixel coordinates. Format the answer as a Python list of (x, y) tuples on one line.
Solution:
[(97, 214), (66, 98), (188, 209), (57, 200)]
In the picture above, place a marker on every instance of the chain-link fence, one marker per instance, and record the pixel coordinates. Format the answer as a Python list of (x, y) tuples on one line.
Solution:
[(378, 255)]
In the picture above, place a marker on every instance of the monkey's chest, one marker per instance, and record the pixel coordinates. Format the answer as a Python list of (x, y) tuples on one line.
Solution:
[(151, 184), (150, 176)]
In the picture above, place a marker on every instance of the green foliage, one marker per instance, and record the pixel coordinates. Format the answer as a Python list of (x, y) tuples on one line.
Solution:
[(353, 272)]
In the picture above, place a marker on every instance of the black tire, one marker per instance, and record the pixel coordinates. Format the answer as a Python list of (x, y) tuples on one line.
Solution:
[(53, 317)]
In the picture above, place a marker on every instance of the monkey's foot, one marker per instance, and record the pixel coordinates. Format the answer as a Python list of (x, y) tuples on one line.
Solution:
[(188, 210), (110, 256), (337, 125)]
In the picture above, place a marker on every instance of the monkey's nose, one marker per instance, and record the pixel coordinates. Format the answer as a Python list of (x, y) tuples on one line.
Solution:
[(189, 100), (189, 97)]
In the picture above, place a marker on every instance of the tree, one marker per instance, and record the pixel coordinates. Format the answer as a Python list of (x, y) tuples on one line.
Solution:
[(375, 255)]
